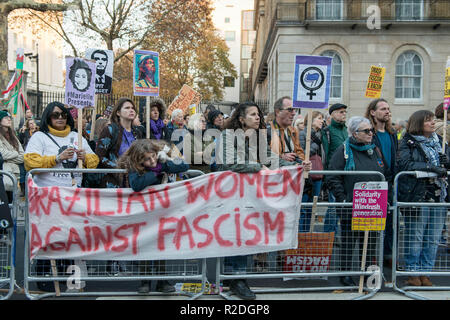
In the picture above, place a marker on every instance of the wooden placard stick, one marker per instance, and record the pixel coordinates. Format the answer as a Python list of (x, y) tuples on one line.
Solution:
[(55, 274), (313, 213), (444, 133), (80, 135), (94, 115), (363, 260), (147, 117), (308, 140)]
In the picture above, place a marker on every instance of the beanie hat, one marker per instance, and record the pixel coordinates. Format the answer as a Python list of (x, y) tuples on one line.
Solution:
[(336, 106), (3, 114), (212, 115)]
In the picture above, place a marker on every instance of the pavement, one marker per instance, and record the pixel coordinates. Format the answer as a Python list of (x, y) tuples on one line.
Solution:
[(265, 289)]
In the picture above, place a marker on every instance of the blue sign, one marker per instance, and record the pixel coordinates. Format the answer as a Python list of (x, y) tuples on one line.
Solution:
[(311, 82)]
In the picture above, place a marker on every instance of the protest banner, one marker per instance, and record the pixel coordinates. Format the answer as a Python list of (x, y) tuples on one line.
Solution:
[(203, 217), (311, 88), (446, 101), (146, 73), (186, 100), (369, 212), (104, 63), (375, 82), (80, 89)]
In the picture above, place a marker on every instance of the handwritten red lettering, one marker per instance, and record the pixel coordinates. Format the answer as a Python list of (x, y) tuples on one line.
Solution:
[(194, 193), (253, 227), (209, 235), (217, 185), (181, 226), (162, 232), (219, 239), (272, 225)]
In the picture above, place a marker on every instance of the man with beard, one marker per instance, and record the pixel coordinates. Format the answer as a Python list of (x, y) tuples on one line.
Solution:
[(103, 82), (147, 70), (385, 139), (281, 135)]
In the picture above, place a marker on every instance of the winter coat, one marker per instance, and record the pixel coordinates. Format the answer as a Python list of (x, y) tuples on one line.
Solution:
[(411, 157), (333, 136)]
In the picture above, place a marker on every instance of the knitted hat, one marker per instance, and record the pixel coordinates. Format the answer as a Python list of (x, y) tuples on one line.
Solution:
[(212, 115), (3, 114), (336, 106)]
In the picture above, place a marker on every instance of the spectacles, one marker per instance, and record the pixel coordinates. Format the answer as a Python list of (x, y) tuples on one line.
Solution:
[(366, 131), (57, 115), (288, 109)]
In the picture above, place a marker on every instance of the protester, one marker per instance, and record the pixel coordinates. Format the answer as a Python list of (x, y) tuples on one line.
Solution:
[(439, 126), (215, 120), (186, 118), (197, 148), (12, 153), (158, 129), (116, 138), (385, 138), (176, 123), (100, 124), (137, 123), (208, 109), (56, 146), (421, 150), (314, 183), (333, 136), (400, 128), (28, 116), (282, 136), (358, 153), (29, 128), (146, 165), (249, 118), (299, 124)]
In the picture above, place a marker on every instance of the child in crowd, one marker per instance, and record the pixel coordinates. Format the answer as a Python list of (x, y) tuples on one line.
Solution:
[(148, 164)]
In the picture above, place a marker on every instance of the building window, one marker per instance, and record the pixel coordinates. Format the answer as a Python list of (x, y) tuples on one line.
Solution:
[(336, 74), (228, 82), (230, 35), (409, 9), (408, 76), (227, 20), (329, 9)]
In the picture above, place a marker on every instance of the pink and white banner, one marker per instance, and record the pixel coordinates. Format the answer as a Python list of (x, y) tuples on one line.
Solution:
[(214, 215)]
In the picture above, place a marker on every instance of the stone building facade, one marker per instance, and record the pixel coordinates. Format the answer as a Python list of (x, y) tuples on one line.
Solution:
[(411, 38)]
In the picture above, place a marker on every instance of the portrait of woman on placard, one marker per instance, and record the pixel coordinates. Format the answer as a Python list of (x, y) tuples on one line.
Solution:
[(80, 75)]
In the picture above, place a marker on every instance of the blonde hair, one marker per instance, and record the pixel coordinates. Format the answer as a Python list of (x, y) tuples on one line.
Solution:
[(133, 158), (315, 114)]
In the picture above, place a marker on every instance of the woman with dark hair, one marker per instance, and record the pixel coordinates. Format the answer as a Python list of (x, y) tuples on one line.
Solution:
[(116, 138), (80, 75), (158, 130), (238, 151), (56, 146), (11, 151), (30, 127), (421, 150)]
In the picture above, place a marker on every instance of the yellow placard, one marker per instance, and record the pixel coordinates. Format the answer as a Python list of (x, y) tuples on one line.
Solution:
[(375, 82)]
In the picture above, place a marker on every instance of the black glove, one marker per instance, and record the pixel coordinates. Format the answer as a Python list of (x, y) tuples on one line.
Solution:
[(441, 172), (443, 160)]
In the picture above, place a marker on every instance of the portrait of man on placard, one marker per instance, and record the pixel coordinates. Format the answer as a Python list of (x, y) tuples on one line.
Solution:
[(104, 61)]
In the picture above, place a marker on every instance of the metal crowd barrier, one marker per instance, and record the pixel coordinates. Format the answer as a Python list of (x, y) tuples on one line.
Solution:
[(322, 255), (8, 245), (406, 215), (109, 271)]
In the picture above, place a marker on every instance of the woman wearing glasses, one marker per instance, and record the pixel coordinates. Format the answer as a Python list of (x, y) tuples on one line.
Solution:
[(56, 146), (358, 153), (198, 148)]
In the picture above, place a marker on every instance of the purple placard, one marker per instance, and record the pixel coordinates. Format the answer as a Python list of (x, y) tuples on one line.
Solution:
[(369, 206), (80, 83), (311, 82)]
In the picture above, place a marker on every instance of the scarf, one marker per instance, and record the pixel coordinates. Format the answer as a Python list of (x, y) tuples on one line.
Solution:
[(156, 170), (59, 133), (348, 153), (432, 148), (156, 128)]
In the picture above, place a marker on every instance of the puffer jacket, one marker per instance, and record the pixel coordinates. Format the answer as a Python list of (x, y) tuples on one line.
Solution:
[(411, 157)]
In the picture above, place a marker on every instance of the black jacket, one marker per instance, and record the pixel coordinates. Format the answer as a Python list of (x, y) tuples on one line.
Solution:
[(342, 185), (411, 157)]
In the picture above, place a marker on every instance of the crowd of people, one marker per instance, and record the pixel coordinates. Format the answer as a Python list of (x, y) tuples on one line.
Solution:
[(369, 142)]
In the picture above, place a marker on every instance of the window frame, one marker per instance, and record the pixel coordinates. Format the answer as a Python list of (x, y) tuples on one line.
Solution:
[(335, 53), (325, 2), (403, 100), (409, 2)]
